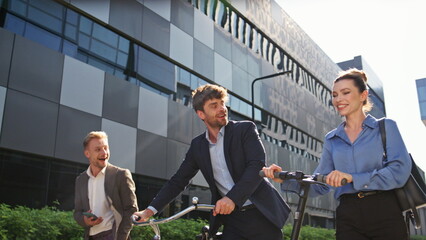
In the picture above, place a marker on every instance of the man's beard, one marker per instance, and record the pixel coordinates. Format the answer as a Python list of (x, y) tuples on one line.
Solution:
[(218, 122)]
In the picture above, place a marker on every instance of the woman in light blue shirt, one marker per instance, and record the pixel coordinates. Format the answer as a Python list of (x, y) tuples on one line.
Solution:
[(368, 208)]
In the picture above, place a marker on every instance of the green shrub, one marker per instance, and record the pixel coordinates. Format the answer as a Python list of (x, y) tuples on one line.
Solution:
[(179, 229), (310, 233), (417, 237), (49, 223), (23, 223)]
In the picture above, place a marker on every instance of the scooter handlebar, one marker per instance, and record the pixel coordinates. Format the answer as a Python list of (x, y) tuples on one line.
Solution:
[(284, 175)]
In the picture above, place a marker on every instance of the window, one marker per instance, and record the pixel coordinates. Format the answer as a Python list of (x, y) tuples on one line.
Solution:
[(421, 92), (43, 37), (423, 110), (242, 29), (24, 179)]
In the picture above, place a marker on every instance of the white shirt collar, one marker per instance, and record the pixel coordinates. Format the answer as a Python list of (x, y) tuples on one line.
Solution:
[(221, 134), (89, 172)]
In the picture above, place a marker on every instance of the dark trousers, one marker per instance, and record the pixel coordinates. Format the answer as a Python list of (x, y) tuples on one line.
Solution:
[(375, 217), (249, 225), (107, 235)]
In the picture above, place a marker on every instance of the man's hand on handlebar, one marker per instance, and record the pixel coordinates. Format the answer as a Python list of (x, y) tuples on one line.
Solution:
[(224, 206), (144, 215), (269, 172), (335, 177)]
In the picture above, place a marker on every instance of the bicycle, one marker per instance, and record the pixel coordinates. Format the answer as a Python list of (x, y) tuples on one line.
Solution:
[(153, 223), (305, 184)]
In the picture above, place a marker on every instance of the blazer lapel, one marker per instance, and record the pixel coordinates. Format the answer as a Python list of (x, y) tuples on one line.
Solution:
[(109, 180), (85, 190)]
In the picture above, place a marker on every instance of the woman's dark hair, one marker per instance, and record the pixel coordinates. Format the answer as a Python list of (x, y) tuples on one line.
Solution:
[(206, 92), (360, 81)]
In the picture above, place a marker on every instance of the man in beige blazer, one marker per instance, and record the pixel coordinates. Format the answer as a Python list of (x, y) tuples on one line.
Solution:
[(106, 191)]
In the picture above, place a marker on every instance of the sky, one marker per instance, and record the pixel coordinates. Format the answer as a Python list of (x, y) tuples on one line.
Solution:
[(390, 35)]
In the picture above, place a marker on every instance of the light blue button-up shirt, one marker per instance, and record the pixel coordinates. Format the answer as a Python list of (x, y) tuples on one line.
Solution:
[(224, 181), (364, 160)]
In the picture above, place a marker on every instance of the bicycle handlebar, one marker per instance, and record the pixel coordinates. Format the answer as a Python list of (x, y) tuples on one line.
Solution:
[(171, 218), (284, 175)]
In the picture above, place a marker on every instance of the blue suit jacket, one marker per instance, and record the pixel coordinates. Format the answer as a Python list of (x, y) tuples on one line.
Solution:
[(245, 157)]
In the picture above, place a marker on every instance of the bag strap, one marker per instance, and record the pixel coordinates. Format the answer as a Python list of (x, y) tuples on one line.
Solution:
[(412, 214)]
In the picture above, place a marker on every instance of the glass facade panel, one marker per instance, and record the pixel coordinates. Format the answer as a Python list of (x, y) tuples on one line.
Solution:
[(234, 103), (82, 56), (101, 65), (147, 188), (376, 101), (184, 77), (122, 59), (105, 35), (124, 44), (156, 69), (103, 50), (71, 32), (84, 41), (14, 24), (120, 74), (18, 7), (43, 37), (45, 19), (70, 49), (423, 109), (421, 93), (63, 174), (72, 17), (24, 179), (85, 25), (49, 7), (197, 81)]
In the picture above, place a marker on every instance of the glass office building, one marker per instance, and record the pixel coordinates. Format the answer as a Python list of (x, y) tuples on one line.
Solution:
[(421, 94), (128, 67)]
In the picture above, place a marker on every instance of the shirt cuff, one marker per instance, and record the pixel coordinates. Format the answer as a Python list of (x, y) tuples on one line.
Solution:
[(361, 181), (152, 209)]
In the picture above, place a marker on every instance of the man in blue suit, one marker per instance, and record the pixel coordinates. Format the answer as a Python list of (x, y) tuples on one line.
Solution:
[(230, 156)]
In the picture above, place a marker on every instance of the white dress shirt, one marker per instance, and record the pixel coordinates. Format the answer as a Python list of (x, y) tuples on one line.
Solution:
[(98, 202)]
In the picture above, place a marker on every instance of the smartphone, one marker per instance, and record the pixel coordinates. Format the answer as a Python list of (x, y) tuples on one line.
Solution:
[(89, 214)]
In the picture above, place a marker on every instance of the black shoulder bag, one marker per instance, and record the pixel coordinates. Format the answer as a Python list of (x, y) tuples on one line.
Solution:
[(412, 195)]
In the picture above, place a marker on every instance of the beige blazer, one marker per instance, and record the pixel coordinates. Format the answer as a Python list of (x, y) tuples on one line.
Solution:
[(120, 191)]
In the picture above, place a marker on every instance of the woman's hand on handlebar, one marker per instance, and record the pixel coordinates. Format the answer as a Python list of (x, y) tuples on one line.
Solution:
[(269, 172), (144, 215), (335, 177)]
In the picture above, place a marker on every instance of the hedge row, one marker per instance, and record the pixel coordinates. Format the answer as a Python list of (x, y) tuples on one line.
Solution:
[(22, 223)]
